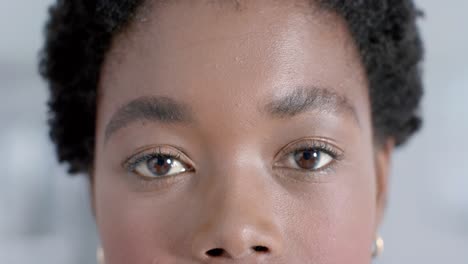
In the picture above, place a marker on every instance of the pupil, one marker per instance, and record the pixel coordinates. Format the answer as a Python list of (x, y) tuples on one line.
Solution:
[(307, 155), (307, 159), (160, 165), (161, 161)]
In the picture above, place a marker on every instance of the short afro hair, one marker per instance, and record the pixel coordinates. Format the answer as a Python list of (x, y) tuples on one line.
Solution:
[(79, 34)]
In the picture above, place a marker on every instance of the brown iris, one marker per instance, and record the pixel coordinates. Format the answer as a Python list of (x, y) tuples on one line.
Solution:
[(307, 159), (160, 165)]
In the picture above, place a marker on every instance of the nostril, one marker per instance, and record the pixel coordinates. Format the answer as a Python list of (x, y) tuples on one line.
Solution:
[(219, 252), (215, 252), (261, 249)]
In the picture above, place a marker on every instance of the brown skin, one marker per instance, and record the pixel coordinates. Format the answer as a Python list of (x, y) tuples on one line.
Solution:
[(240, 194)]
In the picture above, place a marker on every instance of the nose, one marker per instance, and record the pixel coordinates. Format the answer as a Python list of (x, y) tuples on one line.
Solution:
[(237, 244), (238, 221)]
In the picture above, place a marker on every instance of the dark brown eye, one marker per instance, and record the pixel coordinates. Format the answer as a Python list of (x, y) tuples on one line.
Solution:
[(311, 159), (160, 165)]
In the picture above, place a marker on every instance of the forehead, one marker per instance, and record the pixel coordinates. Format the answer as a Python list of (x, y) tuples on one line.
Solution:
[(214, 56)]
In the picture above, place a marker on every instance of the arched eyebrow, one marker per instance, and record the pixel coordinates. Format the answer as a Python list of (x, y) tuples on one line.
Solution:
[(170, 111), (156, 109), (304, 99)]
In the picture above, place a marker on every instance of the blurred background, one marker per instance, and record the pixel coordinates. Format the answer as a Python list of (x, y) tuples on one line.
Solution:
[(45, 215)]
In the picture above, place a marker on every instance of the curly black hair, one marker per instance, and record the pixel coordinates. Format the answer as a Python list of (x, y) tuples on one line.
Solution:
[(79, 33)]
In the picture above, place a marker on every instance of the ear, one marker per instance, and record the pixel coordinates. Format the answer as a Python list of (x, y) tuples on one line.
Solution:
[(382, 161)]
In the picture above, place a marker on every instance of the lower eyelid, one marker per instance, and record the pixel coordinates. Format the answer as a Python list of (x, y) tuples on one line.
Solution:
[(322, 176), (142, 184)]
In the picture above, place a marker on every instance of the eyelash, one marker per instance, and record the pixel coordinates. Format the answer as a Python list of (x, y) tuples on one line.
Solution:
[(132, 162), (313, 144), (321, 146)]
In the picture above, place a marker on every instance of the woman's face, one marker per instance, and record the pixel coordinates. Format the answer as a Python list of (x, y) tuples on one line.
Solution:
[(231, 133)]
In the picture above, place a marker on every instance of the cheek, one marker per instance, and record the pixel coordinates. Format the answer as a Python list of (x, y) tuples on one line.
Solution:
[(337, 225), (132, 228), (328, 223), (355, 219), (355, 234)]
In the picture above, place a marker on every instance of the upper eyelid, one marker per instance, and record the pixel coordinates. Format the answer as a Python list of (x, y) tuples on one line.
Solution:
[(180, 155), (337, 156), (154, 151), (313, 142)]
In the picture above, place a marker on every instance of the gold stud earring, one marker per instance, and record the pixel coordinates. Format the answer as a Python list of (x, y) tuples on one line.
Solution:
[(100, 255), (378, 247)]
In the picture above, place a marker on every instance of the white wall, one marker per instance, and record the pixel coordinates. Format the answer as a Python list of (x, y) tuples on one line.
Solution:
[(427, 219), (45, 216)]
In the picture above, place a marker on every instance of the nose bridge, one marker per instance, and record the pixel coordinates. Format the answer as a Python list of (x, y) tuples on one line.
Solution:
[(238, 218)]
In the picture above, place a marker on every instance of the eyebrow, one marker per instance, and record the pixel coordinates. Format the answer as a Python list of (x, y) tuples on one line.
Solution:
[(159, 109), (169, 111), (304, 99)]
